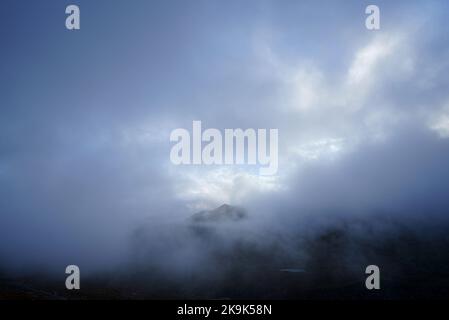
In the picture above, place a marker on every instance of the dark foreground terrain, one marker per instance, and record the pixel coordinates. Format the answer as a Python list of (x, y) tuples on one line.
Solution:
[(218, 258)]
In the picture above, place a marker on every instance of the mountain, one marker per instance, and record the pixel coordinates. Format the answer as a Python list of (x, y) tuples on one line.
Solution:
[(224, 212)]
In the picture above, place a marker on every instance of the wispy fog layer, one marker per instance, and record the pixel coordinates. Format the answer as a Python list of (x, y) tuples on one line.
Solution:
[(85, 173)]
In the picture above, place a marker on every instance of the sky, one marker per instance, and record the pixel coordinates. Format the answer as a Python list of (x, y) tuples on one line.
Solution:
[(86, 115)]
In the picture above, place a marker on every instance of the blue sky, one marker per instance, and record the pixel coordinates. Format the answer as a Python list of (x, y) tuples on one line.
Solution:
[(363, 116)]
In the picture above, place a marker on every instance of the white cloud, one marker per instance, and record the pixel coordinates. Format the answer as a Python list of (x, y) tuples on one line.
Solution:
[(315, 150), (439, 122), (369, 57), (331, 114), (208, 188), (323, 116)]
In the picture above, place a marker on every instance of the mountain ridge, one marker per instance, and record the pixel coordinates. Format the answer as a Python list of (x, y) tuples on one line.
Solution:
[(225, 212)]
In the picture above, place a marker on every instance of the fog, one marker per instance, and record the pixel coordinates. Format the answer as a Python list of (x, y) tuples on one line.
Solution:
[(85, 173)]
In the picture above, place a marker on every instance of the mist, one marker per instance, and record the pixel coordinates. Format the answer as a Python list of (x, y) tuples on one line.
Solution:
[(85, 171)]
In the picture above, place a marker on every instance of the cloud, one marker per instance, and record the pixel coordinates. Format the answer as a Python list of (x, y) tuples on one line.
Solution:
[(369, 58), (325, 116), (439, 121), (209, 188)]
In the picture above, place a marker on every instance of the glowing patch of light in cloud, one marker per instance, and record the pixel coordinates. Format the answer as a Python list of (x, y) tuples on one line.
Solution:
[(207, 188)]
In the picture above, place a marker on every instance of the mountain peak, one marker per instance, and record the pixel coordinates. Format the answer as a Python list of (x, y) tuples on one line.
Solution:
[(225, 212), (224, 206)]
